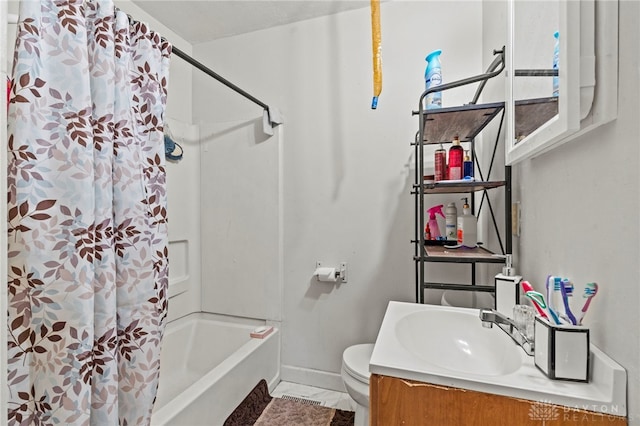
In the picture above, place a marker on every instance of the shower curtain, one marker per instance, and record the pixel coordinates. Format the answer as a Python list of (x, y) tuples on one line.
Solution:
[(88, 267)]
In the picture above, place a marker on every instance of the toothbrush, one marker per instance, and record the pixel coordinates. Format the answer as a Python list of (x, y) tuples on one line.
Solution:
[(589, 293), (550, 306), (536, 297), (566, 289), (558, 301)]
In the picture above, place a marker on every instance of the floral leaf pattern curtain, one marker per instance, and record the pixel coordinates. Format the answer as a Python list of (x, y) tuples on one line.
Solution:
[(88, 260)]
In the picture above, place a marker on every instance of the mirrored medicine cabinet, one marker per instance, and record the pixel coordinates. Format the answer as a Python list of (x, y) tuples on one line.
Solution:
[(587, 73)]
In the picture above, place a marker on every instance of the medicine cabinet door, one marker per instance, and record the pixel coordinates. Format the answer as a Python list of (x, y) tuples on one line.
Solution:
[(537, 120)]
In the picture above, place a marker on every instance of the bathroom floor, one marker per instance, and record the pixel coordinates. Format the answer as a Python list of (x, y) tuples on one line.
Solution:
[(327, 398)]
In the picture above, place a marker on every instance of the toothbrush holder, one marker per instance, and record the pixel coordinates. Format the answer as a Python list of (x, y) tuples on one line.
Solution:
[(562, 351)]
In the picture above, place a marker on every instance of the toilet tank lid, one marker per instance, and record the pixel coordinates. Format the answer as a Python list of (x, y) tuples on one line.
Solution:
[(356, 360)]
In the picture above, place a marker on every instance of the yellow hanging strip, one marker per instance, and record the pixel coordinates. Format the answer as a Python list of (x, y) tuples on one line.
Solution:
[(377, 47)]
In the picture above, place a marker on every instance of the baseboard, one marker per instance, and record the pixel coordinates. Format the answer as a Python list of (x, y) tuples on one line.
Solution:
[(309, 377)]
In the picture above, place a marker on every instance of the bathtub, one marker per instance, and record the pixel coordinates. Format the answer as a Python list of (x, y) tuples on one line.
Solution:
[(209, 363)]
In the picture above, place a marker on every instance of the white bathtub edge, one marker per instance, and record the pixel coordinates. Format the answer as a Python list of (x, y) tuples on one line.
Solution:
[(166, 415)]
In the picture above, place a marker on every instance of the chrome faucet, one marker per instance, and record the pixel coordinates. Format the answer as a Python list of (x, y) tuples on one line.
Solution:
[(491, 316)]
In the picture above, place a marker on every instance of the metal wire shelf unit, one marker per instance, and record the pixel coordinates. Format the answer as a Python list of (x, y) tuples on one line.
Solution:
[(440, 126)]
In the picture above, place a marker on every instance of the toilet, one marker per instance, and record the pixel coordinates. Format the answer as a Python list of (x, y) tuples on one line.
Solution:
[(355, 375)]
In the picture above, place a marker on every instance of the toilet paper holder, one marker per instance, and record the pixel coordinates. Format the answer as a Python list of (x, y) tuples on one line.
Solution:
[(331, 274)]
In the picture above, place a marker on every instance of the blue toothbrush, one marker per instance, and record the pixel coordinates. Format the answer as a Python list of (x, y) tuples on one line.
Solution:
[(566, 288), (558, 301)]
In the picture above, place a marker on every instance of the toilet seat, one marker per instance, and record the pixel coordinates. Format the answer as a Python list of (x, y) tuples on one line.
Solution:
[(355, 361)]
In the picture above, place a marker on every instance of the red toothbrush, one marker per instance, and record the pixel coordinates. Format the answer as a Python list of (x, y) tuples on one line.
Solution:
[(536, 297)]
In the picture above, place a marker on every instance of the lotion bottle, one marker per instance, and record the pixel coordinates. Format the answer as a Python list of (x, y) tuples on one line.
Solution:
[(440, 166), (451, 222), (467, 227)]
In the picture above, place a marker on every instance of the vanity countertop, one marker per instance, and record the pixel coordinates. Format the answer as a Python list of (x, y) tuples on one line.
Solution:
[(605, 393)]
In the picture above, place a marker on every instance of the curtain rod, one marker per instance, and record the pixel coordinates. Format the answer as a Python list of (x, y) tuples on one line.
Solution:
[(179, 53), (272, 117)]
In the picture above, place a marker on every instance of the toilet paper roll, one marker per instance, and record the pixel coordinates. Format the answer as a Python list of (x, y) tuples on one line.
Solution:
[(326, 274)]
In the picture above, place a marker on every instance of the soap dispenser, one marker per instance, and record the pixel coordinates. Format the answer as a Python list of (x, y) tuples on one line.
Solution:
[(507, 286)]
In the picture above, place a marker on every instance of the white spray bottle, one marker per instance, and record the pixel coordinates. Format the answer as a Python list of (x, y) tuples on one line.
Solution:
[(451, 222)]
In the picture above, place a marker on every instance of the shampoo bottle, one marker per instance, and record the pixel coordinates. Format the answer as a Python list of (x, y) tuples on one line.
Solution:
[(455, 160), (432, 78), (467, 227), (467, 166), (440, 165), (434, 228), (451, 222)]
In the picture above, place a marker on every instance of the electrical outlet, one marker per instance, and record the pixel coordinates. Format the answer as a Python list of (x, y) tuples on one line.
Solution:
[(343, 270)]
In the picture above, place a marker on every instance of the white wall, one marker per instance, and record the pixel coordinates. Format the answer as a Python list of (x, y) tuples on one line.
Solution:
[(345, 167), (579, 210), (241, 232), (580, 216)]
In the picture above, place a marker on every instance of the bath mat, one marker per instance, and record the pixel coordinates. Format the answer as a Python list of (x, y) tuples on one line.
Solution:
[(261, 409)]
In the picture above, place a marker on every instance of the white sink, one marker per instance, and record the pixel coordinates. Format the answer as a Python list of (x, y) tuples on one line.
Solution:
[(456, 340), (448, 346)]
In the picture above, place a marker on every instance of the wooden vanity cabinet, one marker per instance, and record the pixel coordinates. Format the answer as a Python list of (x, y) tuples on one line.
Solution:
[(395, 401)]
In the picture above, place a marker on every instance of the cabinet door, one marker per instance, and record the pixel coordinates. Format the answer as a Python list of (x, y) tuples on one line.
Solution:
[(530, 48), (396, 402), (588, 72)]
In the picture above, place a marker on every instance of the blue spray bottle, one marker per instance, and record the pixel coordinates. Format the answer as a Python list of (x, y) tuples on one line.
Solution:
[(556, 62), (434, 228), (432, 78)]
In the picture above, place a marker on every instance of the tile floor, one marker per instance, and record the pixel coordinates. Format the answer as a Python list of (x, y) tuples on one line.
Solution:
[(327, 398)]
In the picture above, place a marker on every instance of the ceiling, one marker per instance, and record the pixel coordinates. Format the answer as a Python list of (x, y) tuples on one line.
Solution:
[(206, 20)]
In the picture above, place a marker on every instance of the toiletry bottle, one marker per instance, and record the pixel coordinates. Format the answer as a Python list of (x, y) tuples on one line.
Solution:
[(434, 228), (432, 78), (467, 227), (455, 160), (451, 222), (427, 232), (467, 166), (507, 286), (440, 164), (556, 63)]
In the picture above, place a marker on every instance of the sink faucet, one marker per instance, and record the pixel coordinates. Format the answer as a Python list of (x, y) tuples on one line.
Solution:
[(491, 316)]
